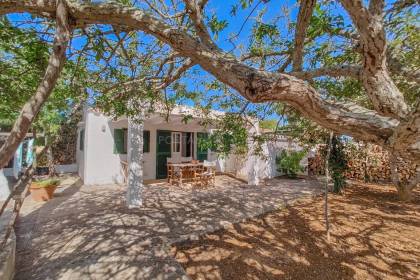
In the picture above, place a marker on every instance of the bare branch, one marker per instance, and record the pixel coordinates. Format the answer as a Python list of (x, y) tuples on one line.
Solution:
[(283, 67), (248, 56), (176, 75), (376, 7), (353, 71), (195, 10), (305, 12), (166, 80)]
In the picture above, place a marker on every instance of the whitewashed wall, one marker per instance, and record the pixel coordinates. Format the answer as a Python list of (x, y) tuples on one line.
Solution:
[(99, 165), (267, 167), (66, 168)]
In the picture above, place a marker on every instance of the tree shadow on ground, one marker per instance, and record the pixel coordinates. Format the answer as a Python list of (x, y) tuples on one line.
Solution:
[(373, 237), (88, 232)]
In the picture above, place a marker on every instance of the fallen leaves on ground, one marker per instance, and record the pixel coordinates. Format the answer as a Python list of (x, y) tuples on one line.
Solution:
[(373, 236)]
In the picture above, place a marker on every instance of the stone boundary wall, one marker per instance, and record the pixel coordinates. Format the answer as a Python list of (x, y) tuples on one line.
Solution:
[(8, 252), (366, 162), (8, 258)]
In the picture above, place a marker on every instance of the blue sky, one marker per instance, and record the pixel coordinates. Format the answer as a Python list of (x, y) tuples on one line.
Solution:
[(239, 25), (274, 12)]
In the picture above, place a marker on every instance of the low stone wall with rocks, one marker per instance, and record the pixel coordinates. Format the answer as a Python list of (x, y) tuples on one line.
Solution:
[(7, 247), (366, 162)]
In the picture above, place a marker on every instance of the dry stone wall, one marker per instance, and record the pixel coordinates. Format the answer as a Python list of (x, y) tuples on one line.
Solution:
[(366, 162)]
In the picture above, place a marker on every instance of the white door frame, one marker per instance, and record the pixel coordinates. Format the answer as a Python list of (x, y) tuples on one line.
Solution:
[(176, 145)]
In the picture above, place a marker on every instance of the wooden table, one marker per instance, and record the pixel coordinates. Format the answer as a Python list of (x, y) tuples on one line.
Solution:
[(182, 172)]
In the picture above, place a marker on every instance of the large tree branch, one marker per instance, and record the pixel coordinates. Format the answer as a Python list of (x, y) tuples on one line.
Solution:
[(195, 9), (304, 17), (353, 71), (31, 108), (254, 85), (406, 138), (385, 96)]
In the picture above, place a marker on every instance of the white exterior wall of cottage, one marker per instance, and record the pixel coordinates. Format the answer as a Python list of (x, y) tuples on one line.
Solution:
[(267, 169), (98, 164)]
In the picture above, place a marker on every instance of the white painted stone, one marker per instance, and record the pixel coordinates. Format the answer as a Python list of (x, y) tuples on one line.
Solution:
[(135, 160), (4, 186)]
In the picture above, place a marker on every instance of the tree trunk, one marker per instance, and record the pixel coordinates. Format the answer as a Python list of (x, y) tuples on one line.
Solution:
[(50, 159), (31, 108), (135, 160), (327, 178), (404, 189), (404, 193)]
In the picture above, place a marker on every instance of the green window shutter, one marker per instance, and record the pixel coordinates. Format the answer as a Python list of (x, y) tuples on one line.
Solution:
[(82, 140), (146, 141), (201, 152), (119, 141)]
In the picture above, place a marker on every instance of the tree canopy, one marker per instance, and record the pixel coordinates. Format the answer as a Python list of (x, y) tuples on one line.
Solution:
[(349, 66)]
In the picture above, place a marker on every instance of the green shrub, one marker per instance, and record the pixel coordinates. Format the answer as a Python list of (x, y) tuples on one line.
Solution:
[(289, 162), (46, 182)]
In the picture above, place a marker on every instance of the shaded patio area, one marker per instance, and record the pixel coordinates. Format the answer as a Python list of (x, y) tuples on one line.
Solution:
[(86, 232)]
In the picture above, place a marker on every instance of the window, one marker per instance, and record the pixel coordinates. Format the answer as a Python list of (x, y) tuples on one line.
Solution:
[(176, 142), (120, 141), (201, 146), (81, 140), (146, 141)]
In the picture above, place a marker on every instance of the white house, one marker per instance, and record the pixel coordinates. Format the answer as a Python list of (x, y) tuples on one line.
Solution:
[(103, 145)]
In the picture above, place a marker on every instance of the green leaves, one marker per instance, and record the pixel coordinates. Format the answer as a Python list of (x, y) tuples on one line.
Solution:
[(216, 25), (323, 22), (288, 162), (264, 30), (23, 59), (229, 137)]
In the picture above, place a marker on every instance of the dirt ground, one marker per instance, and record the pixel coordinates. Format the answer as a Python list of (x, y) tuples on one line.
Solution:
[(373, 236)]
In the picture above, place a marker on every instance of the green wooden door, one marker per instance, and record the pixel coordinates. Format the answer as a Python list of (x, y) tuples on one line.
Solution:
[(163, 151), (201, 152)]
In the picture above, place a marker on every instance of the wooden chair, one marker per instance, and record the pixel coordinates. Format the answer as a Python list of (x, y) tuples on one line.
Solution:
[(173, 176), (197, 175), (124, 167), (208, 177)]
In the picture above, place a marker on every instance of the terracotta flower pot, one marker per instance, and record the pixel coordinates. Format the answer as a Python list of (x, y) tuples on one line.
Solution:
[(43, 193)]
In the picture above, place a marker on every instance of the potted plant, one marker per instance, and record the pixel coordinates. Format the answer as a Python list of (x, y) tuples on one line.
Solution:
[(43, 190)]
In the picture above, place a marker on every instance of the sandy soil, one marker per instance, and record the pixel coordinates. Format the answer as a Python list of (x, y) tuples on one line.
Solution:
[(373, 236)]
